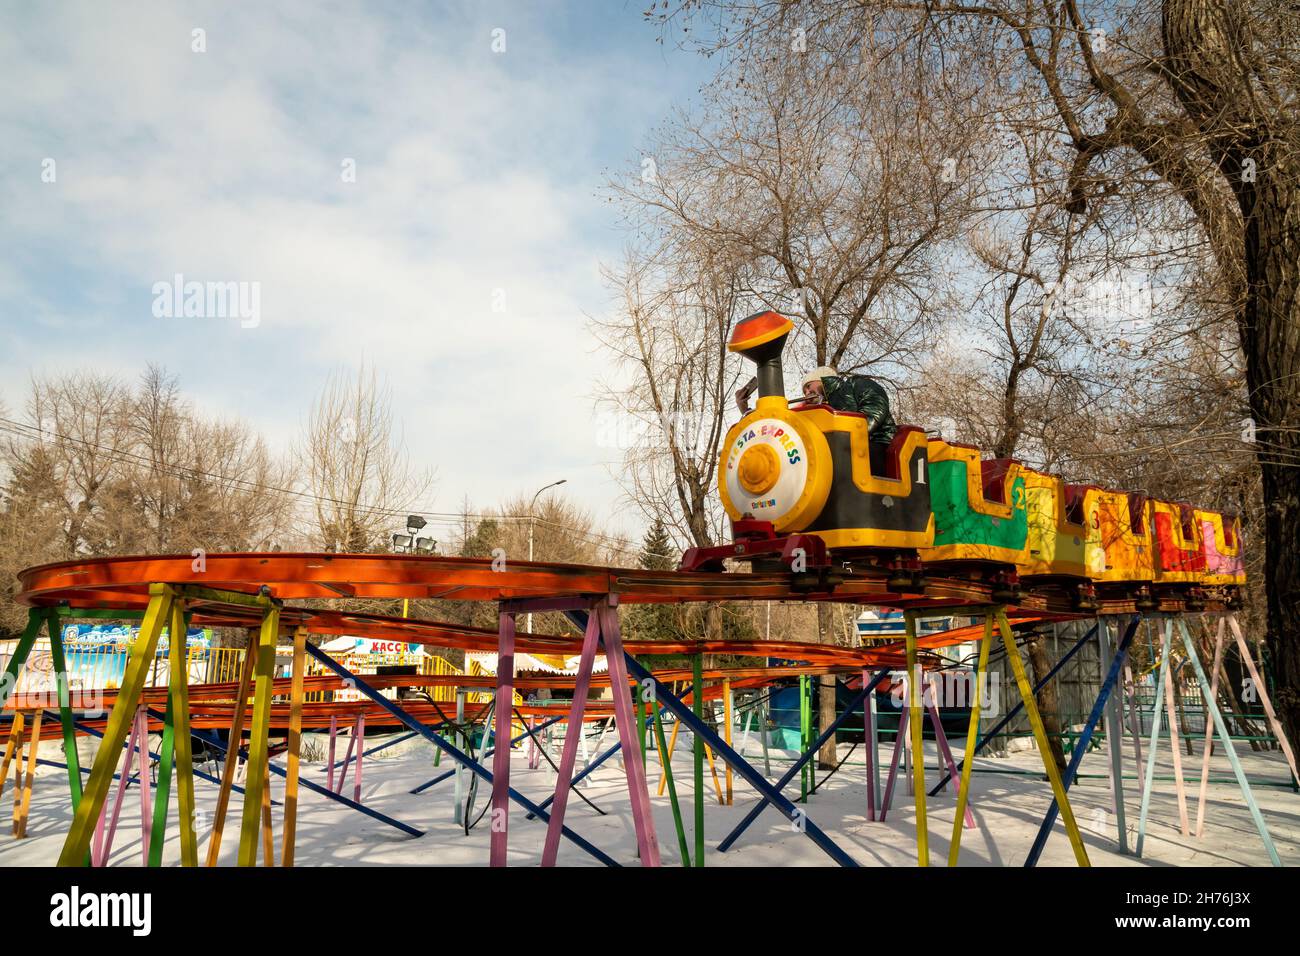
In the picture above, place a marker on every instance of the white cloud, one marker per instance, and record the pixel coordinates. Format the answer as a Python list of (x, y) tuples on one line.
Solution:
[(476, 176)]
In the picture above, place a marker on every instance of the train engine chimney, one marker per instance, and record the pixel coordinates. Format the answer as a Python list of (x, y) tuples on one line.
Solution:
[(760, 338)]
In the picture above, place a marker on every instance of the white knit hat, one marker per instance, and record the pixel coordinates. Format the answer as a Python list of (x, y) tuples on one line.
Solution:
[(817, 374)]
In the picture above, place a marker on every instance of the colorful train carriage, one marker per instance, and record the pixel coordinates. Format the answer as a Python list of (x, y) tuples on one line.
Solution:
[(979, 507), (867, 510), (1118, 547), (1179, 552), (1057, 532), (1221, 544)]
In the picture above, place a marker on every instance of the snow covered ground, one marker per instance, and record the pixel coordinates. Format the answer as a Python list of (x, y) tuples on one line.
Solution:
[(1007, 807)]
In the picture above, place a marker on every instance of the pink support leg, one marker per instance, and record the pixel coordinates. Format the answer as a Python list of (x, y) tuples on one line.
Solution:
[(103, 847), (532, 746), (1262, 690), (869, 738), (942, 740), (572, 734), (628, 728), (347, 759), (893, 763), (360, 735), (146, 805), (501, 756), (334, 736)]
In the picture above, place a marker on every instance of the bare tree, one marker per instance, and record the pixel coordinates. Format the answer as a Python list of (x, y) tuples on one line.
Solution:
[(1193, 99), (667, 410), (355, 465), (97, 468)]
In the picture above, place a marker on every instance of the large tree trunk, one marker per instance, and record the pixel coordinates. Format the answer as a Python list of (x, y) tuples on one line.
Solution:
[(1049, 707), (1208, 46), (1270, 334)]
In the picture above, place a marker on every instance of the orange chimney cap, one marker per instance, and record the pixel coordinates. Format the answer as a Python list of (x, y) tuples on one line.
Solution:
[(758, 329)]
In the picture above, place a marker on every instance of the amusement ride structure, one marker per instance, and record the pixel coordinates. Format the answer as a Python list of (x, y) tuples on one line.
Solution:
[(928, 527)]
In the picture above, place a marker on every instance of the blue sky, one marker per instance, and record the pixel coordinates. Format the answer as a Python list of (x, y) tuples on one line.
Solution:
[(477, 182)]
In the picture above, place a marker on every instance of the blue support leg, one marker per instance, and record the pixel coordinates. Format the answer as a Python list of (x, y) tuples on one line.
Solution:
[(1011, 714), (807, 755), (1081, 747), (453, 752), (742, 767)]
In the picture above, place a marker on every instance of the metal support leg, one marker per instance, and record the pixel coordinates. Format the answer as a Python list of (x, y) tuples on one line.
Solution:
[(972, 730), (1246, 793), (751, 776), (1114, 732), (581, 687), (501, 758), (1076, 758), (1011, 714), (916, 690), (77, 845), (805, 757), (1040, 736), (448, 748)]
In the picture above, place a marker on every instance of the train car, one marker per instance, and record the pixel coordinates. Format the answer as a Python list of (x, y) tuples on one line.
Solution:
[(1055, 553), (800, 482), (980, 519), (1056, 529), (1179, 557), (1118, 548), (805, 471), (1221, 544)]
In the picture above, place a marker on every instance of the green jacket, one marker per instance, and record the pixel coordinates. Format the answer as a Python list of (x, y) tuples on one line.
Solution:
[(860, 393)]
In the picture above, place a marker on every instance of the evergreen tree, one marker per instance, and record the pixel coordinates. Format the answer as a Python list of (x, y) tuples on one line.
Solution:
[(657, 551), (654, 622)]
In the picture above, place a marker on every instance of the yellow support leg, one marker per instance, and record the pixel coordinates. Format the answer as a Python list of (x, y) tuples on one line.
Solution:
[(77, 845), (1040, 736), (184, 763), (295, 745), (268, 834), (713, 769), (232, 754), (727, 719), (972, 737), (915, 690), (264, 668), (15, 735), (23, 795)]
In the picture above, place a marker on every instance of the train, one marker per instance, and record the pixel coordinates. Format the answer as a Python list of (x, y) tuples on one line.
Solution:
[(798, 485)]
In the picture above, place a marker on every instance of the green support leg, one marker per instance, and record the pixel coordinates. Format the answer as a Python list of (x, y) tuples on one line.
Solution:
[(70, 755), (672, 789), (24, 647), (162, 793), (805, 719), (698, 748)]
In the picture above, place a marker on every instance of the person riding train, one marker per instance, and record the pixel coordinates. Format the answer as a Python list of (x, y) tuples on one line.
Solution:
[(855, 393)]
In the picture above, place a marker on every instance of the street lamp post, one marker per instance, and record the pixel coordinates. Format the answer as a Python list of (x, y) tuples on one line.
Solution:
[(531, 517), (409, 543)]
